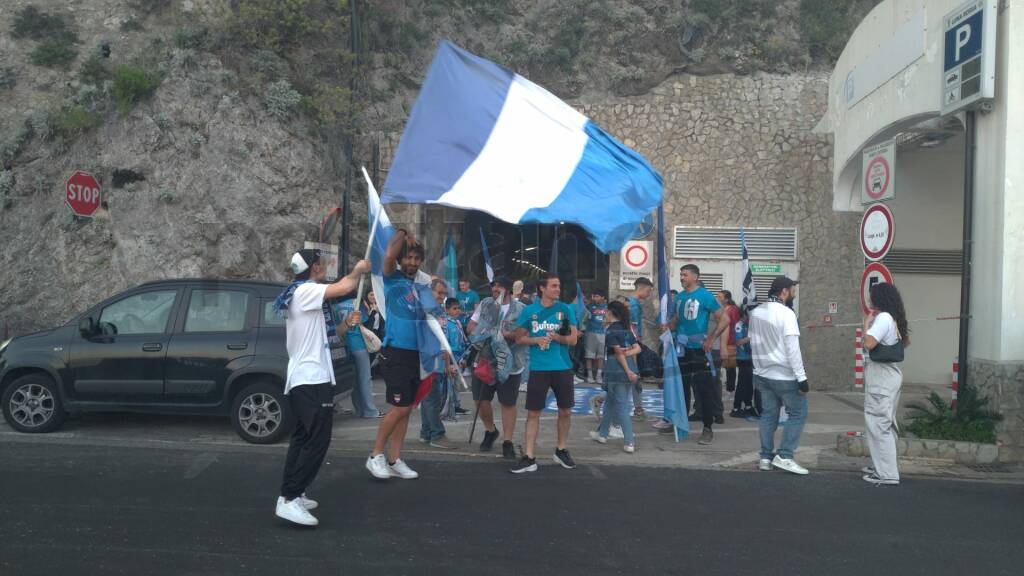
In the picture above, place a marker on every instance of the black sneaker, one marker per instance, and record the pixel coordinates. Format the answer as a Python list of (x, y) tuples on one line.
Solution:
[(526, 464), (562, 457), (508, 451), (738, 413), (719, 420), (488, 442), (695, 417), (461, 411)]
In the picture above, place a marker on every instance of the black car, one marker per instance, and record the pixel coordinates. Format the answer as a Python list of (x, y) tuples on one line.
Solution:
[(176, 346)]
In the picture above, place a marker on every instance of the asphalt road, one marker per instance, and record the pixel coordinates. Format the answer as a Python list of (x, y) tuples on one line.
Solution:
[(87, 509)]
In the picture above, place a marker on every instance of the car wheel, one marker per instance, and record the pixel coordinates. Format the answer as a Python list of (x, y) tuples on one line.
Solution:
[(32, 404), (261, 413)]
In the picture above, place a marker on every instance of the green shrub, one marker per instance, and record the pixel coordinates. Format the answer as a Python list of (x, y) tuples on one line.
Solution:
[(281, 99), (191, 37), (94, 71), (132, 84), (11, 147), (826, 25), (74, 121), (41, 124), (277, 23), (970, 421), (54, 51), (267, 63), (6, 182), (332, 104), (8, 78), (30, 22)]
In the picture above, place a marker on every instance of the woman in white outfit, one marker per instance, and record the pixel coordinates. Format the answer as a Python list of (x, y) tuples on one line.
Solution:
[(885, 336)]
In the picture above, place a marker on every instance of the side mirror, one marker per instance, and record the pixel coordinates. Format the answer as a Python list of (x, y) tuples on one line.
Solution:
[(87, 327)]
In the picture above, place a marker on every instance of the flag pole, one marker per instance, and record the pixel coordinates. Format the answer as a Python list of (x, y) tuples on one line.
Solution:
[(373, 232)]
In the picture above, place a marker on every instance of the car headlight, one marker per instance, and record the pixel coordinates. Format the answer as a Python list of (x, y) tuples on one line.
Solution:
[(4, 344)]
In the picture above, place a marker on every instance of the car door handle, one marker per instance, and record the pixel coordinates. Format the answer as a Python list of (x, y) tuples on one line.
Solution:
[(239, 346), (152, 347)]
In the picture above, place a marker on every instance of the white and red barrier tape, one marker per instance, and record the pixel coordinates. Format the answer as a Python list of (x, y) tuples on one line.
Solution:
[(852, 324), (858, 359), (956, 378)]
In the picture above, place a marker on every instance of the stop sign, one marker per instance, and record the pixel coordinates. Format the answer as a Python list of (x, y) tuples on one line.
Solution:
[(83, 193)]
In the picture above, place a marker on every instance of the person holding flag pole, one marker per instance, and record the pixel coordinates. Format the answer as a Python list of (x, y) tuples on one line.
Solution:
[(675, 416)]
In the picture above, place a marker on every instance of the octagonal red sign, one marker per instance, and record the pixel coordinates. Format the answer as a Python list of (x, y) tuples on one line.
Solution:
[(83, 194)]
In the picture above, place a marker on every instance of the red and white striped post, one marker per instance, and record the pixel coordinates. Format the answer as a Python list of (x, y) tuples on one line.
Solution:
[(858, 360), (956, 378)]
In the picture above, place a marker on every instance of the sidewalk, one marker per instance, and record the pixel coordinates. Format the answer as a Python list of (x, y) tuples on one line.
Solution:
[(735, 446)]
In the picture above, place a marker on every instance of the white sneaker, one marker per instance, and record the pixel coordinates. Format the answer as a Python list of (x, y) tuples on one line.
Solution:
[(788, 465), (764, 465), (615, 432), (307, 503), (576, 380), (629, 448), (378, 466), (596, 437), (295, 512), (590, 379), (401, 470), (600, 378)]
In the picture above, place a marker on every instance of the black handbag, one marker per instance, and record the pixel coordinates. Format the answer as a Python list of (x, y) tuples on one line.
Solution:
[(887, 353), (649, 363)]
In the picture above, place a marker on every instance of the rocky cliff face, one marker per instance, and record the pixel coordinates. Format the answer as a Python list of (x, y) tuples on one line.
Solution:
[(213, 125)]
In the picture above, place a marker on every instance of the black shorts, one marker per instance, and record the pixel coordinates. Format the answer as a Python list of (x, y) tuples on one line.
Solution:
[(540, 382), (401, 370), (508, 391)]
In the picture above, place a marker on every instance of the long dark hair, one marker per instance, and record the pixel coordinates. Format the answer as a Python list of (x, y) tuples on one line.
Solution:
[(621, 311), (728, 297), (886, 298)]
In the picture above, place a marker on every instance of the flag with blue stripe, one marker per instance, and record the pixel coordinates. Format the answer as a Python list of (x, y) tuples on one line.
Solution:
[(487, 257), (481, 137), (448, 266), (675, 404)]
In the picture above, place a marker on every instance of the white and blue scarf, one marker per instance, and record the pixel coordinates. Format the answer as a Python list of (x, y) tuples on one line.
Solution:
[(284, 300)]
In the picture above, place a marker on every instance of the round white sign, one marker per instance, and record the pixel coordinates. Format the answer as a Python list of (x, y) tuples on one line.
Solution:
[(876, 232)]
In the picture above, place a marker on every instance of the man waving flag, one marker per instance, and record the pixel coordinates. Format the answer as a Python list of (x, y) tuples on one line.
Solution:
[(481, 137)]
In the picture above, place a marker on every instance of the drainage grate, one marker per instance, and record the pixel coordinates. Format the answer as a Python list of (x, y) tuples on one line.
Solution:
[(990, 468)]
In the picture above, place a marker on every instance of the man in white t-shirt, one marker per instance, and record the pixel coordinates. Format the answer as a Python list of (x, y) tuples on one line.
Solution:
[(310, 380), (779, 375)]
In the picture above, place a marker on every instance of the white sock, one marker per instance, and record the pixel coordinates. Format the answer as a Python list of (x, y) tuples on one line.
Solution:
[(600, 373)]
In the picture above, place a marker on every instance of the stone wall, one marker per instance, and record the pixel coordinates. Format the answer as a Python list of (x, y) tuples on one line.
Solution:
[(740, 151), (1003, 383)]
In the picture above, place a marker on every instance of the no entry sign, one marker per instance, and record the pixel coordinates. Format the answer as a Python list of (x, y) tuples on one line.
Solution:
[(875, 272), (634, 262), (879, 173), (83, 194), (877, 227)]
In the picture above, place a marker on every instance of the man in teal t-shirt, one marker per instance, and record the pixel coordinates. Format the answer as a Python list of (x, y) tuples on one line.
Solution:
[(594, 337), (548, 327), (693, 306), (468, 301)]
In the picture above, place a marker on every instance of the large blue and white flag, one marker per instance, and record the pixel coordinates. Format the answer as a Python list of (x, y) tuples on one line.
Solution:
[(487, 257), (448, 265), (675, 404), (481, 137)]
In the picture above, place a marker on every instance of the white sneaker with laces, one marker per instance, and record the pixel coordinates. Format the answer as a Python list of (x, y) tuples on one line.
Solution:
[(294, 511), (615, 432), (874, 479), (590, 379), (378, 466), (789, 465), (868, 470), (401, 470), (629, 448), (596, 437), (307, 503), (764, 465)]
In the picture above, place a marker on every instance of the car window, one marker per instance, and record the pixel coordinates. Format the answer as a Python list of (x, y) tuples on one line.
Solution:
[(216, 311), (270, 318), (145, 313)]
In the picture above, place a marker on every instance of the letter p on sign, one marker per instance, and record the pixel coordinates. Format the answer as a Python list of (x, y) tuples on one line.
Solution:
[(963, 36)]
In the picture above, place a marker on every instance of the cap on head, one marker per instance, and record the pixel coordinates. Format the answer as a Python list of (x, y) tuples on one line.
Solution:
[(780, 283), (304, 259)]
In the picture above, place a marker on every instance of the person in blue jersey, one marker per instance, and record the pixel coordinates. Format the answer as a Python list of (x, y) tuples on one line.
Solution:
[(468, 301), (362, 392), (548, 327), (432, 430), (594, 337), (643, 288), (622, 373), (693, 308), (400, 355), (743, 402)]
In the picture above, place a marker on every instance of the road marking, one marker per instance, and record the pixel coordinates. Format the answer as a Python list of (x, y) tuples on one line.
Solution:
[(200, 463), (597, 473)]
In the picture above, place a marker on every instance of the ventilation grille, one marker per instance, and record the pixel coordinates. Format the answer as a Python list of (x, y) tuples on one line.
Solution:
[(770, 244), (715, 283), (938, 262), (762, 283)]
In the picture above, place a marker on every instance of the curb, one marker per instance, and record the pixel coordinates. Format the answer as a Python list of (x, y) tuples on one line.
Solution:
[(855, 444)]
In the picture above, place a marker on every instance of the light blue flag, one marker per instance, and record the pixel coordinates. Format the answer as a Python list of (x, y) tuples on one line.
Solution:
[(448, 266), (675, 404), (481, 137), (487, 257)]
